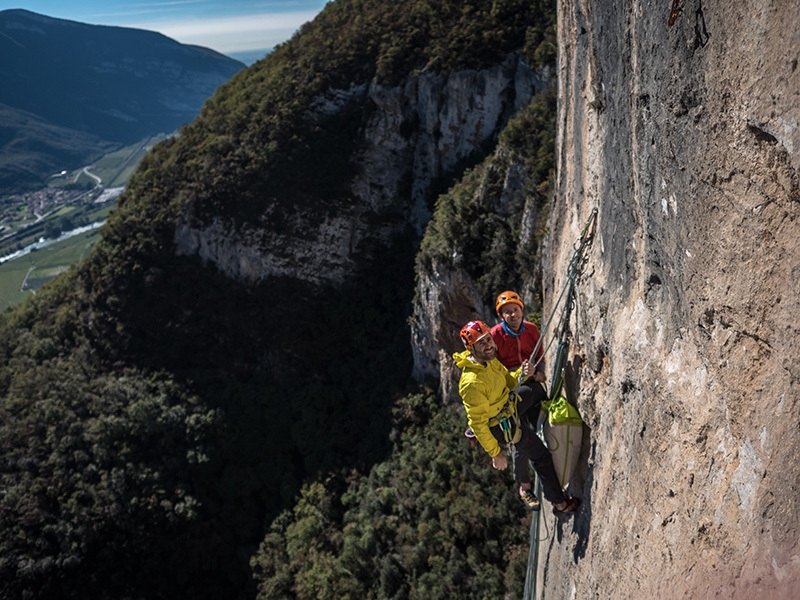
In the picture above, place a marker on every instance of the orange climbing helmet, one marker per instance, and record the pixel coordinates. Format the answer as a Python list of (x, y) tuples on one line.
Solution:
[(474, 331), (508, 297)]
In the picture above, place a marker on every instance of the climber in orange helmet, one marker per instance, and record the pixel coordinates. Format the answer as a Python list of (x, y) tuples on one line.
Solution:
[(497, 411), (515, 337)]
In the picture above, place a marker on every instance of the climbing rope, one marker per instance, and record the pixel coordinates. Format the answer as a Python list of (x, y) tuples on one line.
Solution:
[(577, 265), (575, 269), (529, 593)]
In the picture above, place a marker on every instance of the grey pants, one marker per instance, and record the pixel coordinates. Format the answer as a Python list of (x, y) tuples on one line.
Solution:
[(530, 447)]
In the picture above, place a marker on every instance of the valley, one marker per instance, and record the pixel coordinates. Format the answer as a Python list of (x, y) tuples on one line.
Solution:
[(32, 223)]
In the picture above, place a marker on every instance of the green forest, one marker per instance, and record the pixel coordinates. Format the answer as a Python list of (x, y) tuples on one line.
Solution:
[(170, 432)]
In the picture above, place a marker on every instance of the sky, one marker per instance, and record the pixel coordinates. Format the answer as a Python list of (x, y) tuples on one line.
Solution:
[(238, 28)]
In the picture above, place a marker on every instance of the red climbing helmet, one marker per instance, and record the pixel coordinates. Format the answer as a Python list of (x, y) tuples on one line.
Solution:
[(474, 331), (508, 297)]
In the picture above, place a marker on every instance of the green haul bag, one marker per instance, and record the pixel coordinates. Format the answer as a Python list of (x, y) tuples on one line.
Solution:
[(560, 427)]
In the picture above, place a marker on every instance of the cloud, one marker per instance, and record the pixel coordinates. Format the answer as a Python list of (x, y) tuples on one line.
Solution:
[(121, 11), (232, 34)]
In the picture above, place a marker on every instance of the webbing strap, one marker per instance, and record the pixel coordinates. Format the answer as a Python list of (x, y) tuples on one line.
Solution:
[(507, 427), (509, 423)]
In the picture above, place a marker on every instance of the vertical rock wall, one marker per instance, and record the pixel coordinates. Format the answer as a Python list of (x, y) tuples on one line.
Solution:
[(414, 134), (686, 139)]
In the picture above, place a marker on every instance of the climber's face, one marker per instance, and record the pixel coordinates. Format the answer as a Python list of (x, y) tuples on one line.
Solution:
[(512, 315), (484, 349)]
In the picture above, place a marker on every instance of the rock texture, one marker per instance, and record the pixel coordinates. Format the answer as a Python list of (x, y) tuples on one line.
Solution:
[(445, 300), (416, 133), (686, 139)]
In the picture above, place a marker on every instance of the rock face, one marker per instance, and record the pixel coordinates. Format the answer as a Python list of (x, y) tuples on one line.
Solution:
[(445, 300), (417, 132), (686, 139)]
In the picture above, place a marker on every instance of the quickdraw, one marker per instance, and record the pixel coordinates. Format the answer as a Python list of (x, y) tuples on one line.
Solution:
[(510, 429), (509, 421)]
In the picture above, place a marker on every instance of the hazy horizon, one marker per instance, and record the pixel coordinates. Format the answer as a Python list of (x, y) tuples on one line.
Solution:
[(242, 29)]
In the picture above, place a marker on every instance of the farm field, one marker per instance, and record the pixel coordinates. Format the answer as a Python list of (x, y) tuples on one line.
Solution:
[(21, 277)]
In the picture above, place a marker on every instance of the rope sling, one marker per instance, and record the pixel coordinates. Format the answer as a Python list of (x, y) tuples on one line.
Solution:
[(576, 267)]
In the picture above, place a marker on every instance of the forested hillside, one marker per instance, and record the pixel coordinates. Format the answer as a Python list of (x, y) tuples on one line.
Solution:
[(160, 417), (432, 520)]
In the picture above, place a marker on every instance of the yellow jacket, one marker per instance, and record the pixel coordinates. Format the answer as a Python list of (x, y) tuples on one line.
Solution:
[(484, 390)]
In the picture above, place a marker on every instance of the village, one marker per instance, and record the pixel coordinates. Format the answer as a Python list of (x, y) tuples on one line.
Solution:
[(24, 216)]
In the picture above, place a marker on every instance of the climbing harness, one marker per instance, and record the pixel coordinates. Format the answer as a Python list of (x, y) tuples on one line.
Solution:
[(575, 269), (508, 420)]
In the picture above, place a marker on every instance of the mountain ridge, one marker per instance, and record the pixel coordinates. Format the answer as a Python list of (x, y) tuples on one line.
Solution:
[(117, 84)]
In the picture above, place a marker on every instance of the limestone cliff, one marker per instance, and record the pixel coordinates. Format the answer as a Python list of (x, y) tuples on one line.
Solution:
[(415, 134), (686, 139)]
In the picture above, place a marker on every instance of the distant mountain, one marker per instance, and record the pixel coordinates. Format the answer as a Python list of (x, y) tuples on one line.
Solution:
[(31, 148), (248, 57), (112, 83)]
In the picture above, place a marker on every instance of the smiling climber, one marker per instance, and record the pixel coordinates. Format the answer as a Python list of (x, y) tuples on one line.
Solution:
[(515, 337), (498, 413)]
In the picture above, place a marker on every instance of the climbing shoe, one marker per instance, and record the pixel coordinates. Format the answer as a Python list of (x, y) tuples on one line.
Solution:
[(571, 507), (530, 500)]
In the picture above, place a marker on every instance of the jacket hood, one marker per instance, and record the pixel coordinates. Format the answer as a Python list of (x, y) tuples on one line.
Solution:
[(463, 361)]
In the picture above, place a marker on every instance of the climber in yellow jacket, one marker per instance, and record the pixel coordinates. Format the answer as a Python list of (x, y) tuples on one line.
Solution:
[(500, 411)]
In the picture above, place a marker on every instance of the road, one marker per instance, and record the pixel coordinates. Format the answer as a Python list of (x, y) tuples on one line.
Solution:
[(85, 170)]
